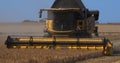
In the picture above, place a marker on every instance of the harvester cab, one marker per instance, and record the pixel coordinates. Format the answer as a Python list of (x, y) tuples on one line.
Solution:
[(68, 25)]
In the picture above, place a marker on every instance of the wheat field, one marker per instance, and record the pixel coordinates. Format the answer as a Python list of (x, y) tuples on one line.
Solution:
[(43, 55)]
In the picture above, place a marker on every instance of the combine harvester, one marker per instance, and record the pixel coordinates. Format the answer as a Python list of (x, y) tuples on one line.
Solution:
[(69, 25)]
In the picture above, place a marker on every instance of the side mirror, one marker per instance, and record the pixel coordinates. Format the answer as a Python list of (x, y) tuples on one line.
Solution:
[(40, 13)]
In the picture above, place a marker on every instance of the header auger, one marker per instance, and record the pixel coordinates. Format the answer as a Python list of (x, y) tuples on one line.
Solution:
[(69, 25)]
